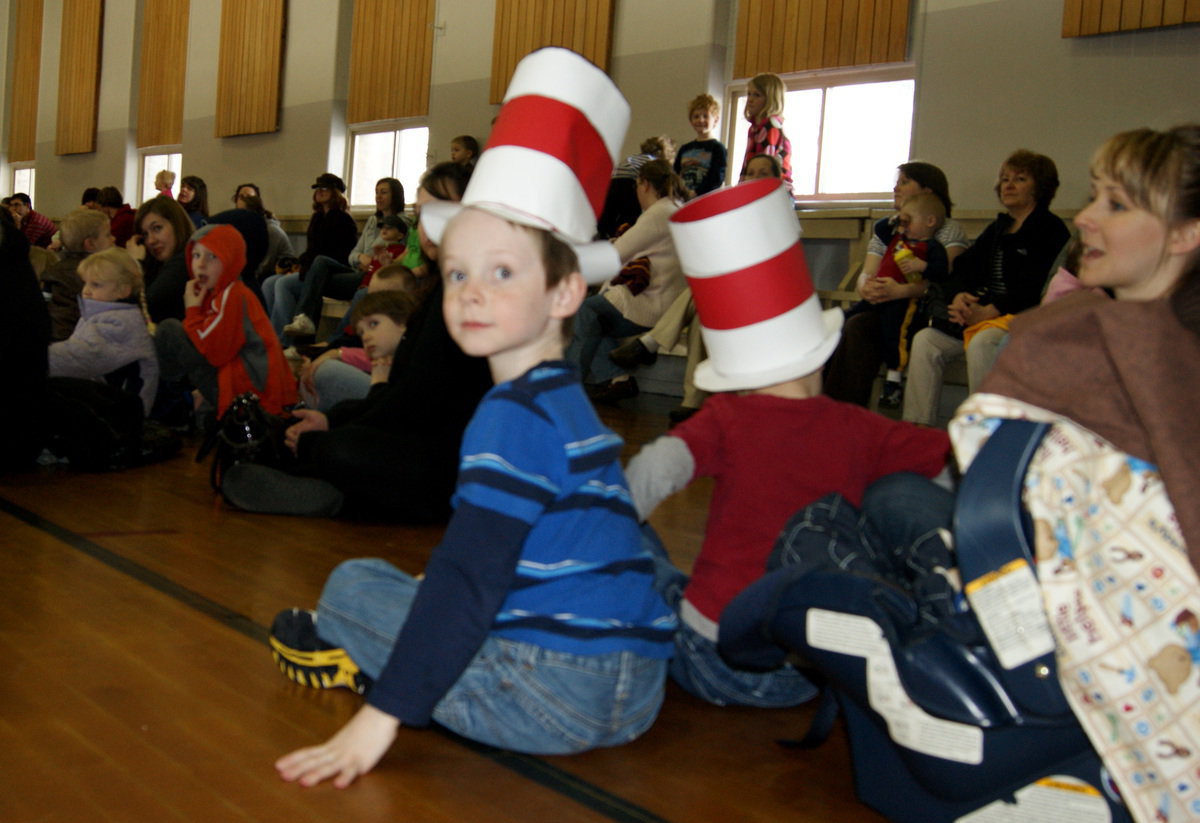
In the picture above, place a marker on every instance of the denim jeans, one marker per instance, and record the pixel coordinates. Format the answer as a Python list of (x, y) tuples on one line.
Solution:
[(698, 668), (326, 276), (286, 295), (598, 327), (513, 695), (336, 381), (897, 536)]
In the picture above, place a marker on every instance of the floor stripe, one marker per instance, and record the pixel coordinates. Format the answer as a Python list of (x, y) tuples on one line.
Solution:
[(533, 768)]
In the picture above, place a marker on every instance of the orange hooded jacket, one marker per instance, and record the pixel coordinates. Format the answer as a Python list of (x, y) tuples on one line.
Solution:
[(232, 331)]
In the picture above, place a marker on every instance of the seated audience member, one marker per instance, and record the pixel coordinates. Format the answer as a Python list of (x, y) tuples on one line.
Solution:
[(668, 331), (225, 345), (1110, 491), (913, 244), (24, 336), (37, 228), (851, 371), (163, 232), (633, 301), (193, 196), (535, 626), (394, 454), (342, 370), (279, 245), (771, 440), (1003, 273), (90, 198), (112, 339), (622, 204), (329, 276), (120, 214), (84, 232), (330, 238)]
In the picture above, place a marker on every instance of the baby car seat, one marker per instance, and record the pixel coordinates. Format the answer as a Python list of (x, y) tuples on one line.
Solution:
[(939, 729)]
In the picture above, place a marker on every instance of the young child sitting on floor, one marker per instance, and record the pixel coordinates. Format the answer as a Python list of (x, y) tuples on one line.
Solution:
[(921, 216), (113, 332), (341, 369), (83, 232), (771, 440), (540, 586), (381, 319), (225, 346)]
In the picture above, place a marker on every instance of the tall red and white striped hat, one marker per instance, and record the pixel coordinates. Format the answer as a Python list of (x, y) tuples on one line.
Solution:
[(760, 317), (550, 156)]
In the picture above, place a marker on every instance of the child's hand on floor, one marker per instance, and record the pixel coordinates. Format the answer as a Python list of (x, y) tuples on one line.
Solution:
[(310, 420), (353, 751)]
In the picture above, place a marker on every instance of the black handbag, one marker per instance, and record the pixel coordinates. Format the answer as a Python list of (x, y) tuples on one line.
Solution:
[(245, 433)]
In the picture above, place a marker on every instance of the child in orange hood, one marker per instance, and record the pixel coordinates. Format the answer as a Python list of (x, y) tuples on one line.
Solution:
[(225, 344)]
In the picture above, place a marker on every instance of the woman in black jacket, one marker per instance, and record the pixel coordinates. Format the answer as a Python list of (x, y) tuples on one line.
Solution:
[(1003, 273)]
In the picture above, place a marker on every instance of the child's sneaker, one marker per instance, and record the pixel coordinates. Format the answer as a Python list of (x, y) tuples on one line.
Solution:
[(309, 660), (891, 395)]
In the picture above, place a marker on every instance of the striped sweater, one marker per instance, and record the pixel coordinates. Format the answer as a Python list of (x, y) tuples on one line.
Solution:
[(544, 547)]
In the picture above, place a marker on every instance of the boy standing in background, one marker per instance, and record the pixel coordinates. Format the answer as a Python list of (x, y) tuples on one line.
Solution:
[(701, 163)]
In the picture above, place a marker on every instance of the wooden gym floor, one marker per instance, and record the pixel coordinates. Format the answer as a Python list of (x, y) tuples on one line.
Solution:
[(137, 686)]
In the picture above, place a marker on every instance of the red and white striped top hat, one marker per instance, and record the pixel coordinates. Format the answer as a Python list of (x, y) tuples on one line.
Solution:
[(550, 156), (760, 317)]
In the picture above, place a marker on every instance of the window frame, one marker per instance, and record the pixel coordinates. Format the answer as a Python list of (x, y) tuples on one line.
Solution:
[(19, 166), (144, 154), (824, 79), (381, 127)]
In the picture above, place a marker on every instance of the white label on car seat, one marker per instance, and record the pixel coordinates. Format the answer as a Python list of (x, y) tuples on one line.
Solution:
[(1008, 603), (1055, 799), (908, 724), (844, 633)]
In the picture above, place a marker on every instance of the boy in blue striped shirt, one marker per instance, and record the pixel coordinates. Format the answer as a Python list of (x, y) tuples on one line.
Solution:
[(537, 626)]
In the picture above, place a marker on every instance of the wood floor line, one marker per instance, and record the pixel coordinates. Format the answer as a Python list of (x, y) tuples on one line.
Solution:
[(530, 767)]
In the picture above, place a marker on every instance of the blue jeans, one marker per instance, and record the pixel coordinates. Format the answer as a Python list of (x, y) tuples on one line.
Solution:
[(283, 300), (599, 326), (897, 536), (698, 668), (336, 381), (513, 695)]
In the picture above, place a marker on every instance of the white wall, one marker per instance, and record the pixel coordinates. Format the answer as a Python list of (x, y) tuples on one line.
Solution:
[(993, 75)]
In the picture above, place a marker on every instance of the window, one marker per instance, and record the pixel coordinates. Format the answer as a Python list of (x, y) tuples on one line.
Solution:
[(848, 136), (399, 153), (23, 180), (153, 162)]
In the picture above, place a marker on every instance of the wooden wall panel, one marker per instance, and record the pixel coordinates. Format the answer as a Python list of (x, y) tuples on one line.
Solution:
[(161, 72), (250, 65), (1086, 17), (79, 76), (26, 76), (391, 59), (523, 26), (801, 35)]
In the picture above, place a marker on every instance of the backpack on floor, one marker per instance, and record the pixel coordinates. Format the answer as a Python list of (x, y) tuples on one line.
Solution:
[(92, 425)]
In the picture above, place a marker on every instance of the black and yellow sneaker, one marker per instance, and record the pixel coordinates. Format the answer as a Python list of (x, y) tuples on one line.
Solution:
[(309, 660)]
